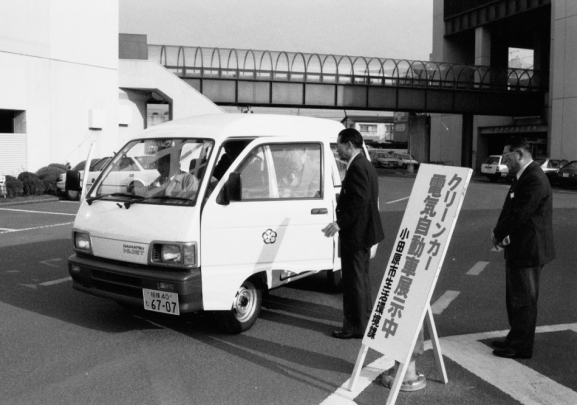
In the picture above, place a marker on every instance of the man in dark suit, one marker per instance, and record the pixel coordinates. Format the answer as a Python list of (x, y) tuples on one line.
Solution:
[(359, 226), (525, 230)]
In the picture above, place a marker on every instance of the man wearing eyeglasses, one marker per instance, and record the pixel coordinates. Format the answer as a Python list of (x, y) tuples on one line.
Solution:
[(525, 230)]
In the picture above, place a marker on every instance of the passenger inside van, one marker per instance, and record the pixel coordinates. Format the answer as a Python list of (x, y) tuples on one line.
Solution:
[(172, 181)]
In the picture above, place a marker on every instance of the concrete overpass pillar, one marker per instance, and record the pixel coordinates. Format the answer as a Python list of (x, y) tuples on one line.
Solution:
[(482, 46), (467, 141)]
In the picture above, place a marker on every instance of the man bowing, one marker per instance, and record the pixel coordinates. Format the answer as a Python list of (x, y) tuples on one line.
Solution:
[(359, 226)]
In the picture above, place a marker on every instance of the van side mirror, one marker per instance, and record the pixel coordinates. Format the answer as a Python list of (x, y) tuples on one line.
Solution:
[(233, 186), (73, 181)]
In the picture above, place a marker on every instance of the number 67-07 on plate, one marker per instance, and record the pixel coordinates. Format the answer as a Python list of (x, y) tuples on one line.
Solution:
[(161, 301)]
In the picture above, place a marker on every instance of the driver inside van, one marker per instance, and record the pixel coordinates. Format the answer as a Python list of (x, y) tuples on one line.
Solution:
[(172, 181)]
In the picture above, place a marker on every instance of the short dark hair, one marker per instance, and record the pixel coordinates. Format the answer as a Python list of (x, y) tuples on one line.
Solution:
[(353, 136), (517, 142)]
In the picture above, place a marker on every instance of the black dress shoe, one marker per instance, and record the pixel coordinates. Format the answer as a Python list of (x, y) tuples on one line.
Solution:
[(509, 353), (341, 334), (500, 343)]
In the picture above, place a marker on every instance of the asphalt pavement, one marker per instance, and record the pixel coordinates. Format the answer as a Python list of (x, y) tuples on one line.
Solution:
[(63, 347)]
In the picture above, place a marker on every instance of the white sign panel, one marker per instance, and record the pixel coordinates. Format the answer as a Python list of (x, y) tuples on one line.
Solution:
[(416, 259)]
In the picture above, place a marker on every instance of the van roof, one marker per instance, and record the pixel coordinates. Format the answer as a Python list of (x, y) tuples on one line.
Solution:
[(222, 126)]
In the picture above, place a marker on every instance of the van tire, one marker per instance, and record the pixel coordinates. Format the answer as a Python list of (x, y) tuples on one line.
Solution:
[(72, 195), (335, 280), (244, 312)]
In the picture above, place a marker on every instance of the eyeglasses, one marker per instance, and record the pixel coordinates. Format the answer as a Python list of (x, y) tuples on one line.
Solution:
[(504, 155)]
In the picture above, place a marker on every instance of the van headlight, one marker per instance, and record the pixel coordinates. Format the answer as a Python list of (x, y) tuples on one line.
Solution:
[(82, 242), (174, 254), (170, 254)]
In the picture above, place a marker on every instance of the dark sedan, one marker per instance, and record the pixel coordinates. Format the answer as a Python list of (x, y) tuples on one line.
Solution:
[(567, 175)]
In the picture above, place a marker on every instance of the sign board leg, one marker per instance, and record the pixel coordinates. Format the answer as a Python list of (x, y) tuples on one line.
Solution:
[(401, 371), (436, 346), (358, 366)]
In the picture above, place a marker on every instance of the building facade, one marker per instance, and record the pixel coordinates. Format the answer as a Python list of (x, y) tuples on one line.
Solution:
[(69, 80), (483, 32), (59, 65)]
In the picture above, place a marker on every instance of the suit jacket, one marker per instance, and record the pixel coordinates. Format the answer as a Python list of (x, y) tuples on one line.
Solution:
[(357, 209), (527, 217)]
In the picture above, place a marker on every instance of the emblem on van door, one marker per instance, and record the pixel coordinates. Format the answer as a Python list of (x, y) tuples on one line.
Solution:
[(269, 236)]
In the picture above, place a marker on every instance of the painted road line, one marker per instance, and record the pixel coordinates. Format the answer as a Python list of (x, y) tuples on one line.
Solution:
[(36, 227), (36, 212), (6, 230), (467, 351), (513, 378), (443, 302), (342, 396), (400, 199), (47, 262), (477, 268), (53, 282)]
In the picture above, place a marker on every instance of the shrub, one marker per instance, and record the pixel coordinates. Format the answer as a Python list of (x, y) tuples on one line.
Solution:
[(49, 175), (64, 167), (31, 183), (14, 187)]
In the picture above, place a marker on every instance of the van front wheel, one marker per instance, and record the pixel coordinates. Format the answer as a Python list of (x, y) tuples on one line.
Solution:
[(244, 312)]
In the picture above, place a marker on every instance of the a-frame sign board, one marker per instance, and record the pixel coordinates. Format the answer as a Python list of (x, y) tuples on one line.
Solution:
[(412, 271)]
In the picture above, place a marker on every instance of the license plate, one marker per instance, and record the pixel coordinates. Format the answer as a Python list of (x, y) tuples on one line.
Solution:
[(565, 174), (161, 301)]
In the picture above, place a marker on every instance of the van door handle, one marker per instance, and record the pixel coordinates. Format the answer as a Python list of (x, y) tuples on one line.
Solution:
[(319, 211)]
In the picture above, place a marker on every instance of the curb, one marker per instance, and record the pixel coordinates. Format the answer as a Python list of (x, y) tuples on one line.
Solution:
[(8, 202)]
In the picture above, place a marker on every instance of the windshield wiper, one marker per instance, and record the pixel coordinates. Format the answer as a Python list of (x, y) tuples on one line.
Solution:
[(90, 199), (158, 197)]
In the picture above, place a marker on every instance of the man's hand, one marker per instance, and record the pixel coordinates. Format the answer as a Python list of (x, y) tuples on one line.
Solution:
[(495, 242), (330, 229)]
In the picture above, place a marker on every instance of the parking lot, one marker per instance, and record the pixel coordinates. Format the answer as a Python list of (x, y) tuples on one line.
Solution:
[(61, 345)]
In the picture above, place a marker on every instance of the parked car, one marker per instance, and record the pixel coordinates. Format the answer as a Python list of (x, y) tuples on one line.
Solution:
[(494, 168), (96, 166), (567, 175), (550, 166), (388, 160), (379, 157), (405, 159)]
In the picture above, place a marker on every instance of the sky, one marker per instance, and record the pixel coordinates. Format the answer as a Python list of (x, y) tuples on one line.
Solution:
[(398, 29)]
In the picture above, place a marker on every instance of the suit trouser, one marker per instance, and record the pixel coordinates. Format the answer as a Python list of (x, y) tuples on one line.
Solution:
[(357, 300), (522, 292)]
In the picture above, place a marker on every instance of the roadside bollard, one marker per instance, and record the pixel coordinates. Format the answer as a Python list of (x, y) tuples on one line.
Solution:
[(410, 168), (413, 380)]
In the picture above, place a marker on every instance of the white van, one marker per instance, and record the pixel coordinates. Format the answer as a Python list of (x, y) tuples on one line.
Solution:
[(198, 242)]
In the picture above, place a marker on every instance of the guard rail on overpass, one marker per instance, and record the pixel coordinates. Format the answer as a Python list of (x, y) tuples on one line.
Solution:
[(285, 79)]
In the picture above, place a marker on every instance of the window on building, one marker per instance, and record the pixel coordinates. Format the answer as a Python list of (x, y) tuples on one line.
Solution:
[(520, 58), (12, 122), (368, 128)]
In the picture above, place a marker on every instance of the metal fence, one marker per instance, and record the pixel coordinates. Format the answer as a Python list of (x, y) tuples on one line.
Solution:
[(253, 65)]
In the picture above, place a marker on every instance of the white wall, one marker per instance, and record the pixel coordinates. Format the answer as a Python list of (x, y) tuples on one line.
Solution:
[(59, 60)]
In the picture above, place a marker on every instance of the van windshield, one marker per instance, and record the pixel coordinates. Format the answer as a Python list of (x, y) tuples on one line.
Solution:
[(156, 171)]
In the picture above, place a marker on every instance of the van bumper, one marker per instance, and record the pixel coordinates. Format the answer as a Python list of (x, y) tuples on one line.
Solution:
[(124, 283)]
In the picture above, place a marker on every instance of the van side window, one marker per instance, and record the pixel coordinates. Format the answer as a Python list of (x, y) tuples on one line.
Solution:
[(282, 171), (297, 170), (341, 164), (254, 176)]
